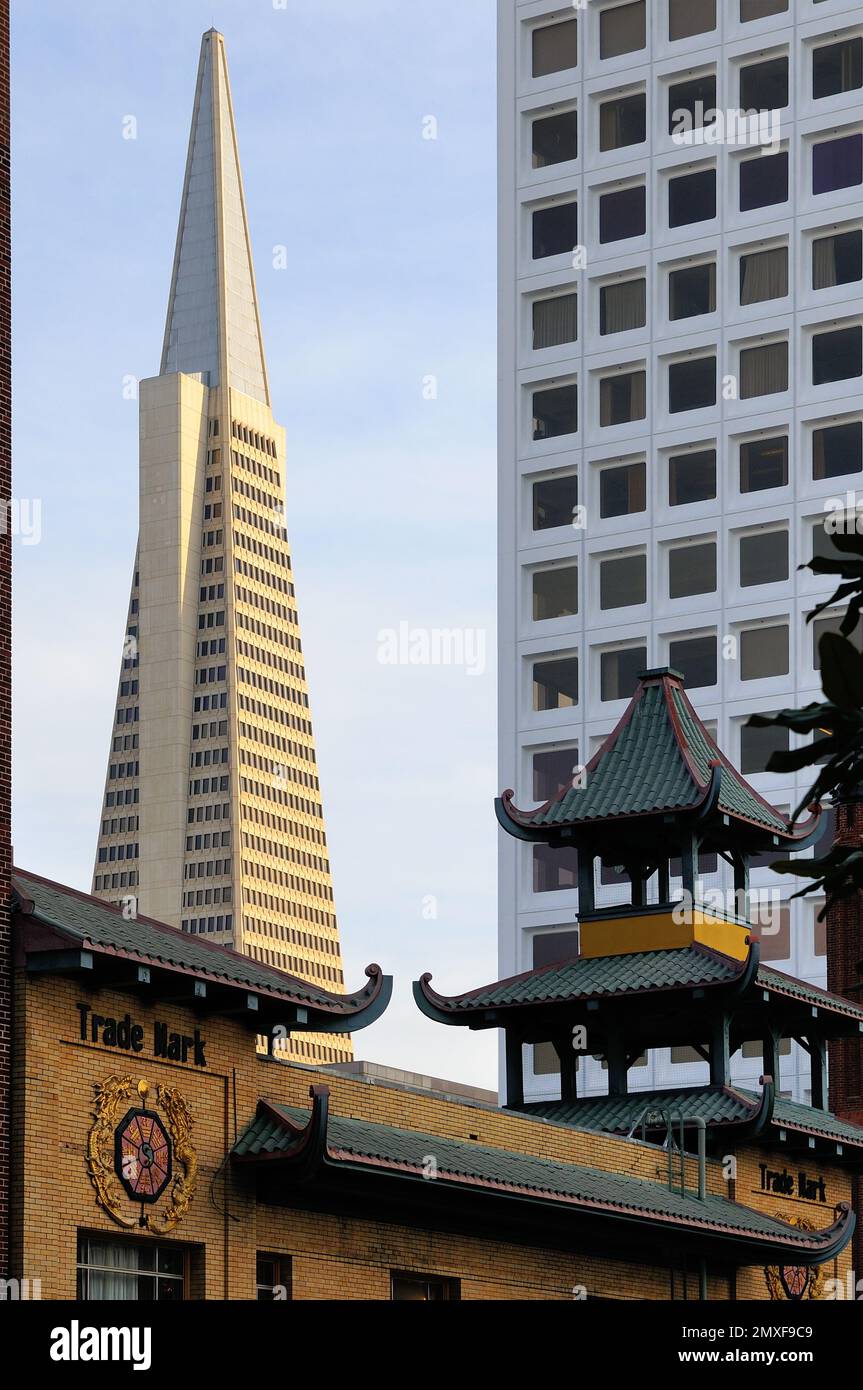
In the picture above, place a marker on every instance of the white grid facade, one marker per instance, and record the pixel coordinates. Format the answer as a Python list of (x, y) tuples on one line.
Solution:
[(799, 406)]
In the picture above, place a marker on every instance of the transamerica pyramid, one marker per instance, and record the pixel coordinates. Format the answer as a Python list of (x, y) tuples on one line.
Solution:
[(212, 818)]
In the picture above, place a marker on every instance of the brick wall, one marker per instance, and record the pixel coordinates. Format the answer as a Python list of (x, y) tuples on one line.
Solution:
[(5, 644)]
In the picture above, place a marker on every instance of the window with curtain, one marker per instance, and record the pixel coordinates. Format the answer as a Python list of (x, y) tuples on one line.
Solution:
[(623, 581), (764, 463), (622, 398), (696, 658), (623, 214), (130, 1271), (554, 502), (623, 121), (837, 449), (760, 9), (763, 558), (555, 412), (622, 29), (764, 181), (555, 321), (763, 275), (555, 47), (692, 100), (622, 306), (764, 652), (272, 1277), (691, 477), (692, 291), (555, 683), (837, 259), (692, 384), (764, 86), (623, 489), (837, 356), (837, 164), (555, 593), (619, 671), (763, 370), (692, 570), (554, 139), (689, 17), (692, 198), (837, 68)]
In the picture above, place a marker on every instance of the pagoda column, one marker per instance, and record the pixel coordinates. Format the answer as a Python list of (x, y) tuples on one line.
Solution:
[(845, 977)]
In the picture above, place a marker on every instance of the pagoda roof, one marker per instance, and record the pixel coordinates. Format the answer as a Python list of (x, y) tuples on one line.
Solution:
[(691, 974), (659, 761), (68, 932), (287, 1145)]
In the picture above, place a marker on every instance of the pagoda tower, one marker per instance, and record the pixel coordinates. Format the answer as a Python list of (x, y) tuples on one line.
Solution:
[(212, 818)]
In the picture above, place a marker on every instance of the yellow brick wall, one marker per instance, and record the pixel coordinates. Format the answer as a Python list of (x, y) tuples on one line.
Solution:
[(332, 1256)]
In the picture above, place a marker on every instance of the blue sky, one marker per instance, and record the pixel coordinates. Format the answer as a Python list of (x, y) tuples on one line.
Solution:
[(390, 279)]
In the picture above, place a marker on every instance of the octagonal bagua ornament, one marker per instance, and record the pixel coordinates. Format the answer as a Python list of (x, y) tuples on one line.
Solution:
[(142, 1158)]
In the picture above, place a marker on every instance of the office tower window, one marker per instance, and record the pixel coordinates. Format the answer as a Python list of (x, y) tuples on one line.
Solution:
[(555, 47), (690, 102), (692, 384), (623, 489), (555, 593), (622, 306), (555, 230), (623, 121), (622, 29), (623, 581), (554, 772), (623, 214), (555, 412), (554, 502), (764, 86), (622, 398), (763, 275), (555, 683), (823, 543), (763, 181), (763, 558), (837, 355), (554, 870), (692, 570), (692, 291), (555, 321), (775, 935), (691, 477), (837, 449), (764, 652), (692, 198), (832, 623), (758, 745), (760, 9), (837, 259), (554, 139), (550, 948), (689, 17), (423, 1288), (837, 164), (695, 657), (763, 370), (619, 671), (836, 68), (764, 463)]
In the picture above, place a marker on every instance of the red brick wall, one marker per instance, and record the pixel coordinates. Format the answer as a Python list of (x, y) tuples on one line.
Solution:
[(5, 644), (845, 976)]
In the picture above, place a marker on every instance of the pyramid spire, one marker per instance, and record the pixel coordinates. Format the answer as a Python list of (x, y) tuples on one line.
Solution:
[(213, 324)]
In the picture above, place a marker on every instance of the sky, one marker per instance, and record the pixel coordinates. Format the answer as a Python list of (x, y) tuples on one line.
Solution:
[(379, 325)]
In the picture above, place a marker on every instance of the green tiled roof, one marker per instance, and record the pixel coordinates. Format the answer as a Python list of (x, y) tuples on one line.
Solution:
[(658, 759), (778, 983), (597, 977), (276, 1130), (717, 1105), (792, 1115), (91, 922)]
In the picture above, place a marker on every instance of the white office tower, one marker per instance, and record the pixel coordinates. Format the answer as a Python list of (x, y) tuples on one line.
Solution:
[(681, 350)]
